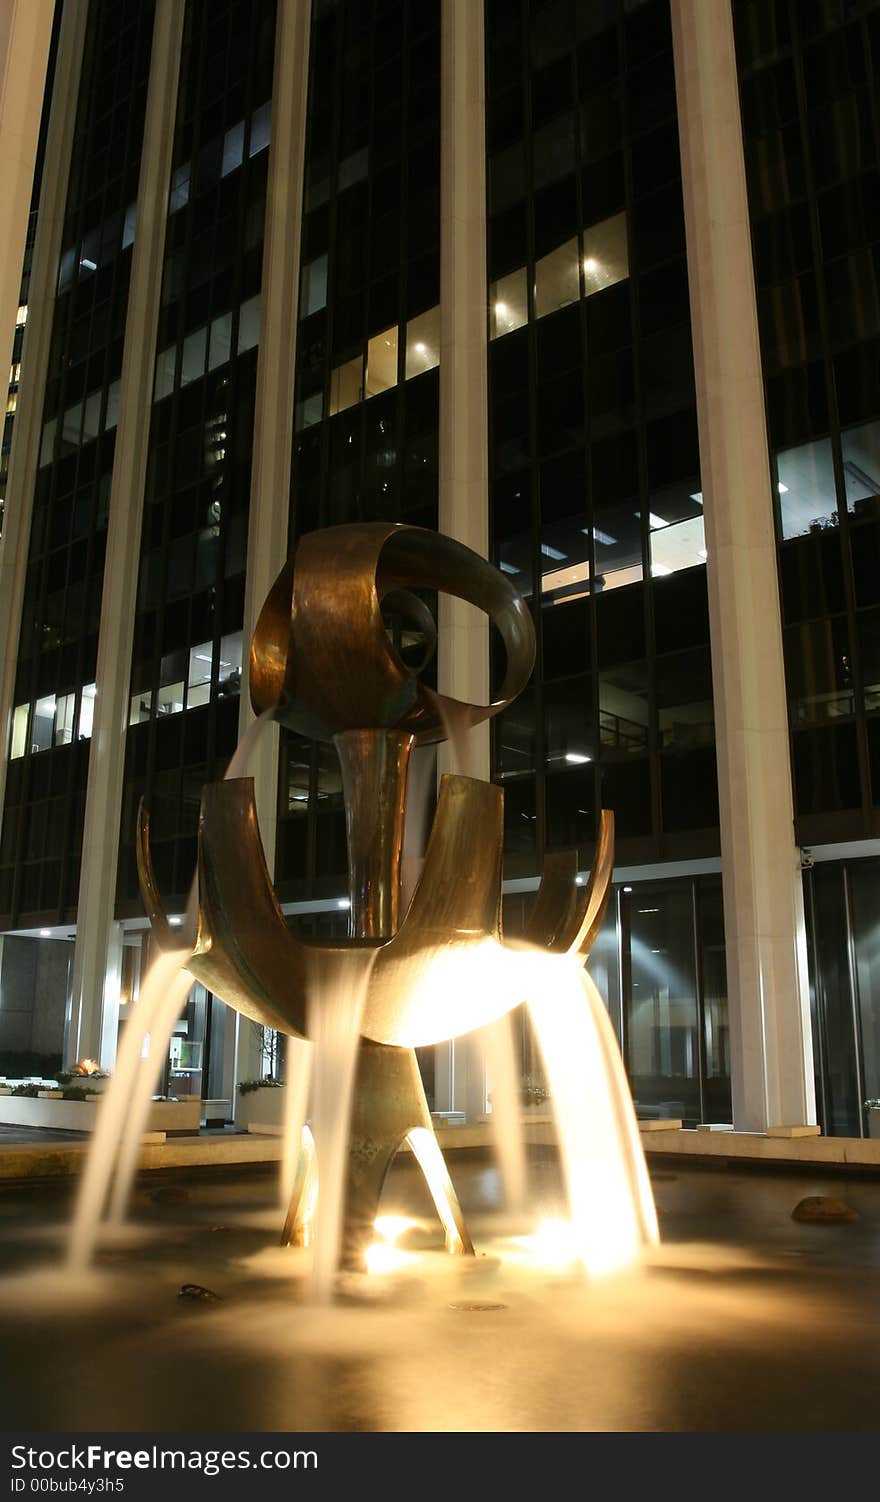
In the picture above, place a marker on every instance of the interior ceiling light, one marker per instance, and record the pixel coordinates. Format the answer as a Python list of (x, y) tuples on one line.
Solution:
[(577, 758), (698, 497), (656, 522), (783, 489), (552, 552)]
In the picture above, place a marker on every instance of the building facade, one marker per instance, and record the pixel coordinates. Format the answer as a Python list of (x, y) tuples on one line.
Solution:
[(591, 285)]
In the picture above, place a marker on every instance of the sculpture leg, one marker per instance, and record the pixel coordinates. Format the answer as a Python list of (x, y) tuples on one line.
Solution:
[(389, 1106)]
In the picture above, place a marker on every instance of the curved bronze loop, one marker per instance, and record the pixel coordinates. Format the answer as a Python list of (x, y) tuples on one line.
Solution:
[(321, 659)]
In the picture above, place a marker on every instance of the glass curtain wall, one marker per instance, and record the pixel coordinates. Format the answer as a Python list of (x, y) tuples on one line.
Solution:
[(40, 846), (367, 382), (812, 136), (186, 668), (843, 913), (595, 505)]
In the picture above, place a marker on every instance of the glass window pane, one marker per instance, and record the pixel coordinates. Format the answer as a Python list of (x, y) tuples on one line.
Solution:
[(86, 712), (249, 324), (422, 343), (64, 719), (19, 731), (128, 226), (605, 254), (684, 700), (178, 197), (508, 303), (192, 365), (44, 722), (220, 349), (346, 386), (47, 445), (677, 546), (623, 711), (233, 149), (661, 1035), (169, 699), (140, 707), (260, 128), (71, 424), (198, 690), (865, 887), (382, 362), (229, 666), (309, 411), (817, 660), (92, 416), (805, 488), (617, 543), (869, 650), (165, 363), (861, 467), (557, 279), (111, 417), (313, 295)]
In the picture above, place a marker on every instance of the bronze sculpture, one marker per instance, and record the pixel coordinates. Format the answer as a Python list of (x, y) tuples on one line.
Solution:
[(322, 663)]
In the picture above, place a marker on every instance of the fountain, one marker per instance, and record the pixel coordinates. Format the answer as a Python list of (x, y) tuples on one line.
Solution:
[(323, 664)]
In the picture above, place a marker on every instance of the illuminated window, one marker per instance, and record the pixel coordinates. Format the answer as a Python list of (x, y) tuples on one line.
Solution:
[(44, 723), (21, 316), (422, 343), (87, 712), (382, 362), (861, 466), (557, 279), (64, 719), (140, 707), (19, 731), (178, 197), (11, 403), (805, 488), (346, 385), (47, 446), (605, 255), (198, 690)]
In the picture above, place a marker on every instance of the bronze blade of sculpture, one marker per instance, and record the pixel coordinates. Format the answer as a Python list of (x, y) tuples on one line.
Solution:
[(322, 662)]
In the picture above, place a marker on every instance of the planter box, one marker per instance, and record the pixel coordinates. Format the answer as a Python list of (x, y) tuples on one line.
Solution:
[(170, 1116), (261, 1108)]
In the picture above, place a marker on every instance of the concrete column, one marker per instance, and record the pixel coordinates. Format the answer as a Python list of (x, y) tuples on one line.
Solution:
[(463, 648), (771, 1045), (276, 364), (25, 35), (97, 883), (35, 353), (463, 643)]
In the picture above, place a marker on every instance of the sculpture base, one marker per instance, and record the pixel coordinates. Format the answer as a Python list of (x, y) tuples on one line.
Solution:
[(388, 1108)]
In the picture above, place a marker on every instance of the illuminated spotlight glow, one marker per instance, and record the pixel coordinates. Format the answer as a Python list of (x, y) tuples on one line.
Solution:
[(591, 265), (45, 933), (552, 1245), (343, 902), (420, 348), (577, 758), (391, 1227), (500, 309), (382, 1257)]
